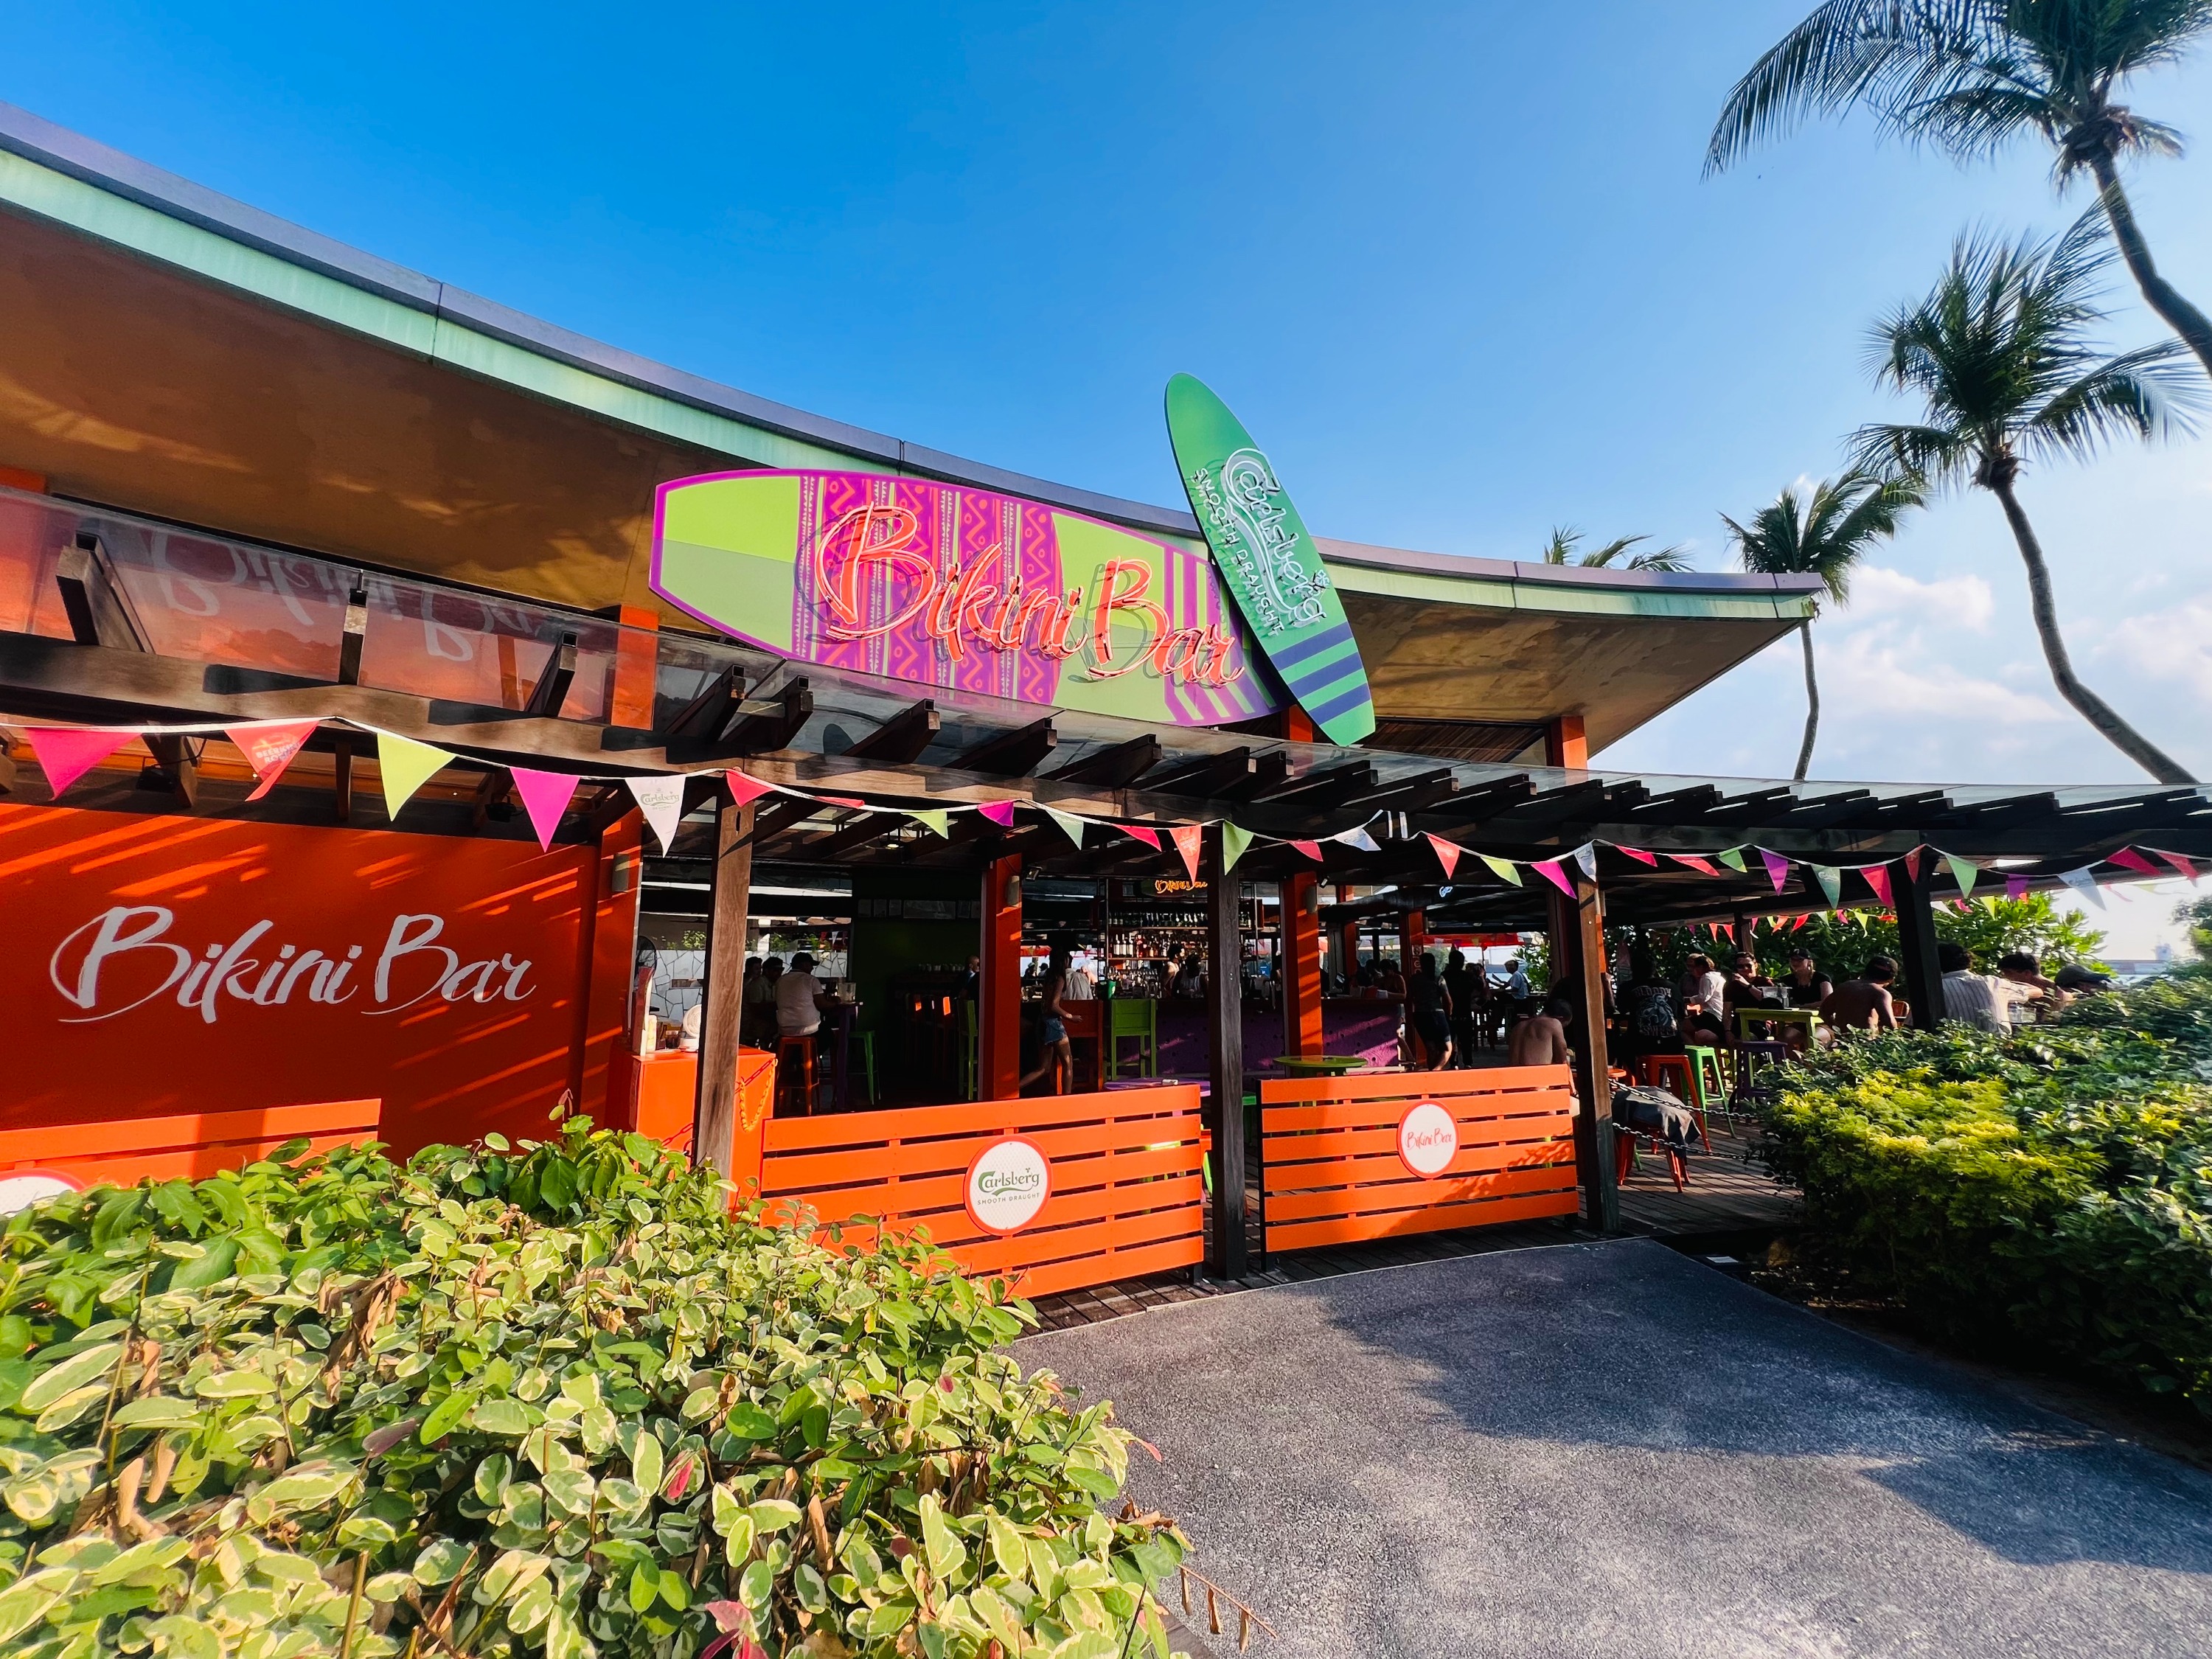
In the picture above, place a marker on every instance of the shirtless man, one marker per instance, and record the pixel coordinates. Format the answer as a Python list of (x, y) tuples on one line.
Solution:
[(1541, 1039), (1864, 1004)]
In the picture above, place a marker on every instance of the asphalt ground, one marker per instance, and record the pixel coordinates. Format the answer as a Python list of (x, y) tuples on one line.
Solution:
[(1610, 1449)]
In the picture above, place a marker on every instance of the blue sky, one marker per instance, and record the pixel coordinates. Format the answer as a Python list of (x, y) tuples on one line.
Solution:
[(1455, 266)]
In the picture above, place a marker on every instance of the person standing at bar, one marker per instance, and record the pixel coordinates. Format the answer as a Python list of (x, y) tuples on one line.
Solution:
[(1055, 1054), (1429, 1012)]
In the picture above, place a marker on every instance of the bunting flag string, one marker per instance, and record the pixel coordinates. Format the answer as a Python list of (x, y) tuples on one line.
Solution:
[(66, 754), (1187, 838), (1447, 854), (269, 749), (545, 798), (659, 797)]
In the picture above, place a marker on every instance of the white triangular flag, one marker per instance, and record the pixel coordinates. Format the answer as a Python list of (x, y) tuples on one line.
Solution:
[(1070, 825), (660, 799), (1359, 838), (1586, 855), (2084, 883)]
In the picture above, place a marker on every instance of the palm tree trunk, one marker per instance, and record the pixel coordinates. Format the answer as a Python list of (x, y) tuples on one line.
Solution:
[(2183, 317), (2091, 707), (1812, 705)]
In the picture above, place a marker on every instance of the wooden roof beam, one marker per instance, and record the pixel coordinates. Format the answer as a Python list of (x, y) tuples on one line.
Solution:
[(1013, 754), (1114, 767), (1210, 776), (900, 739)]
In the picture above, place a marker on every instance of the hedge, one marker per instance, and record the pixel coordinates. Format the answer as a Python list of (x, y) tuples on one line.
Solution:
[(2050, 1190), (553, 1399)]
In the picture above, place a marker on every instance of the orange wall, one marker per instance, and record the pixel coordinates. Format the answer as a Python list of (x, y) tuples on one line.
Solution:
[(457, 1044)]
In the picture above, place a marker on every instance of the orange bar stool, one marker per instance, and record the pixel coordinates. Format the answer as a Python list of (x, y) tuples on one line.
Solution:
[(1658, 1069), (799, 1077)]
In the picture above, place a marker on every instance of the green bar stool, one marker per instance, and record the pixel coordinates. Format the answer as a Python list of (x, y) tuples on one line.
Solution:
[(1709, 1084), (1137, 1018), (864, 1051)]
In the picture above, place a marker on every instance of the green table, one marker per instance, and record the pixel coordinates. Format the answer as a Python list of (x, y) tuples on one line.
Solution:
[(1318, 1065)]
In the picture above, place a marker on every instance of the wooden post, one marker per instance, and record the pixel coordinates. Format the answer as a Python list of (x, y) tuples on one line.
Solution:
[(1584, 936), (1916, 944), (1225, 1019), (999, 996), (714, 1118), (1301, 965)]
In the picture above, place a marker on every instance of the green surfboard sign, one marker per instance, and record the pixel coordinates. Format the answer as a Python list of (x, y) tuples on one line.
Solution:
[(1268, 563)]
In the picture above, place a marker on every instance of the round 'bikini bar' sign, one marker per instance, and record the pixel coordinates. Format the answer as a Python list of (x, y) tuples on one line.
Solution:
[(21, 1188), (1428, 1140), (1007, 1185)]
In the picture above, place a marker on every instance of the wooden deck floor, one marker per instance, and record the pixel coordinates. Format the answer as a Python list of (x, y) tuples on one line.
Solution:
[(1726, 1194)]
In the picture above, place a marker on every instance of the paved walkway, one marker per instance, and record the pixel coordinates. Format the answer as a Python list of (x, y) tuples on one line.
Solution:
[(1609, 1448)]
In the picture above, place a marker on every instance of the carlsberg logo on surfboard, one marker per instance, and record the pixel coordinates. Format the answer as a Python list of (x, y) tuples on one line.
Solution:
[(1268, 563)]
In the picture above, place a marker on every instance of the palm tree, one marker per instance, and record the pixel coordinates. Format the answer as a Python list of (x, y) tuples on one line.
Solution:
[(1999, 353), (1969, 75), (1561, 549), (1824, 538)]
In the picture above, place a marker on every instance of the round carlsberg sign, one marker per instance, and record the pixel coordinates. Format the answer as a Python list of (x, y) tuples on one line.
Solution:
[(1428, 1138), (1007, 1185)]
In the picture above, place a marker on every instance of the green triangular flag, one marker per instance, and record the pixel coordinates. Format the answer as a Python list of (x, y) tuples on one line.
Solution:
[(936, 818), (405, 766), (1733, 858), (1071, 825), (1505, 869), (1233, 843), (1963, 870), (1832, 882)]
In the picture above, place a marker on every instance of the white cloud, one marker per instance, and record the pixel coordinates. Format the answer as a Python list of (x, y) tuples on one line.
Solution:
[(1880, 671), (2174, 644), (1948, 602)]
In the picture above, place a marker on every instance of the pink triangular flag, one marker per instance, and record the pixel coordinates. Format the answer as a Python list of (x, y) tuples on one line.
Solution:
[(1638, 855), (1312, 850), (1702, 866), (545, 797), (2185, 865), (66, 754), (1726, 929), (2128, 858), (1151, 837), (1877, 877), (744, 788), (851, 803), (1447, 854), (1000, 812), (1798, 923), (1912, 862), (1188, 837), (1554, 872), (1777, 868), (269, 749), (2015, 887)]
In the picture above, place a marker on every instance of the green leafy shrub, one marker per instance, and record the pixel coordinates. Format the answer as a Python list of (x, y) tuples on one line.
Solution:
[(2052, 1188), (550, 1400)]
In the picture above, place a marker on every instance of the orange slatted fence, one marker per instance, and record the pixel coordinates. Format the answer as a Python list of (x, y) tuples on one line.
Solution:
[(126, 1150), (1331, 1173), (1126, 1190)]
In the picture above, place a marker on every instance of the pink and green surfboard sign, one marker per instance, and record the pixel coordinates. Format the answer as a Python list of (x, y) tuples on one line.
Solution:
[(1268, 563), (954, 587)]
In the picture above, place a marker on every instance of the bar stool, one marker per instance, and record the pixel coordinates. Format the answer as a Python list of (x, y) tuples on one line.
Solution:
[(1658, 1067), (800, 1049), (864, 1045), (1132, 1019)]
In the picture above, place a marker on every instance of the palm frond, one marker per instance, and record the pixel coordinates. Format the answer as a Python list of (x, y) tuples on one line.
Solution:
[(2152, 392), (1561, 548), (1666, 559), (1935, 456), (1826, 536)]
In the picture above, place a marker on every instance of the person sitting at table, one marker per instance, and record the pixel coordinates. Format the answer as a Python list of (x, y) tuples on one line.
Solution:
[(1541, 1039), (1389, 980), (1055, 1054), (2022, 969), (1514, 987), (1704, 1003), (1864, 1004), (757, 1018), (799, 999), (1748, 987), (1977, 1000), (1428, 1012), (1805, 986)]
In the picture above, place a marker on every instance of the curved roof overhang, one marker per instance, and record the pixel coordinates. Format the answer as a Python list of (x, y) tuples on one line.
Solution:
[(174, 352)]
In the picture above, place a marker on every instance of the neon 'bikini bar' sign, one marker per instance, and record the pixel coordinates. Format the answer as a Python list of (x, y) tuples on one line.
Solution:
[(956, 587)]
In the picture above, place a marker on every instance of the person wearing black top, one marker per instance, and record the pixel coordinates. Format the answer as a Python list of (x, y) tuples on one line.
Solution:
[(1461, 984), (1805, 986), (1429, 1006)]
